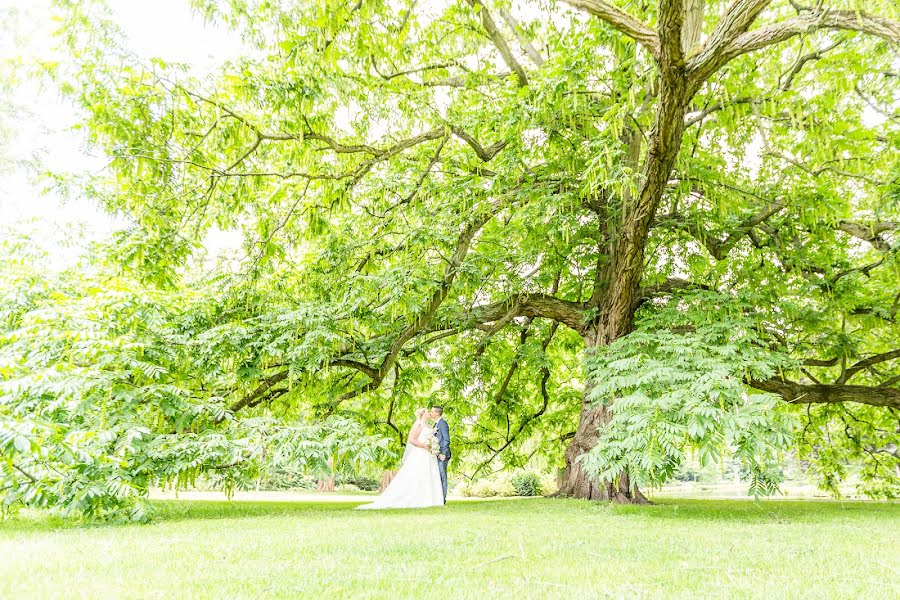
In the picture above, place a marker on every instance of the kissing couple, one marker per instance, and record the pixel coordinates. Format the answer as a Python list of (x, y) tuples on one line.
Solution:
[(422, 478)]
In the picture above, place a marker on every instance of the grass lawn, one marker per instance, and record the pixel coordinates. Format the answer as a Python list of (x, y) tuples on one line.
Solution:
[(517, 548)]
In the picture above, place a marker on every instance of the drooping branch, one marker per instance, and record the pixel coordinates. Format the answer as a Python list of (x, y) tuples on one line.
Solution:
[(719, 248), (788, 79), (422, 320), (390, 414), (376, 154), (268, 388), (513, 365), (260, 390), (865, 269), (621, 21), (414, 70), (545, 402)]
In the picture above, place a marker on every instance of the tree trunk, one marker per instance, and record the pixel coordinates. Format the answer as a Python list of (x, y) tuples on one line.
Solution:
[(386, 479), (576, 482), (326, 484), (616, 297)]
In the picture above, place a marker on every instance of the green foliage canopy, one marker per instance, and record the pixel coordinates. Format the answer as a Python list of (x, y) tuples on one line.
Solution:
[(457, 198)]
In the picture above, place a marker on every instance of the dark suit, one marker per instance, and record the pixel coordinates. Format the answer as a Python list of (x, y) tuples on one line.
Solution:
[(442, 431)]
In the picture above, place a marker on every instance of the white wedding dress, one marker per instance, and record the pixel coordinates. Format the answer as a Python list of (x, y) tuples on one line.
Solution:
[(418, 482)]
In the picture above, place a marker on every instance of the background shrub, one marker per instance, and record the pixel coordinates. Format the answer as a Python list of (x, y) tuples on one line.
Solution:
[(526, 484), (366, 484), (489, 488)]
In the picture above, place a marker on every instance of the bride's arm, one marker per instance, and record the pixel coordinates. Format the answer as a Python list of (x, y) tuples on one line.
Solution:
[(414, 436)]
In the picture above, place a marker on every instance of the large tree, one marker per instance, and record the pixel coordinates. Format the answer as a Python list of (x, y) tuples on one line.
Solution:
[(467, 194)]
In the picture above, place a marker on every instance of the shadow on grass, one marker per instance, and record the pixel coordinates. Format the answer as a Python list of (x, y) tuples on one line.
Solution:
[(180, 510), (764, 511), (668, 509), (167, 511)]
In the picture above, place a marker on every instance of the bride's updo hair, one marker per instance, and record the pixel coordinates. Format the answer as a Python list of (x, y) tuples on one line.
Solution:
[(420, 412)]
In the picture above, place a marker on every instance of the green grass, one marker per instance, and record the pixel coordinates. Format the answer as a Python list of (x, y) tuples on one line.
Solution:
[(517, 548)]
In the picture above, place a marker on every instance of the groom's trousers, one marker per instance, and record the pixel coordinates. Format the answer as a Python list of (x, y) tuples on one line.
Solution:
[(442, 467)]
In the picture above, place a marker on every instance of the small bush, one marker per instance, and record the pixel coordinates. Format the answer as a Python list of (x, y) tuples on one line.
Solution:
[(278, 479), (488, 488), (526, 484), (549, 483), (366, 484)]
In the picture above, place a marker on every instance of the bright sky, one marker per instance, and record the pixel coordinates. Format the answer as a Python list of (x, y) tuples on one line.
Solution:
[(36, 125)]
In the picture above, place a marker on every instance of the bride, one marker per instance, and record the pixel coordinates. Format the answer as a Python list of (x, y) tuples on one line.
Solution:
[(418, 482)]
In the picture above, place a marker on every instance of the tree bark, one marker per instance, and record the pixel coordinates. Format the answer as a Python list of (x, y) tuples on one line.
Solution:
[(576, 482), (326, 484), (386, 478)]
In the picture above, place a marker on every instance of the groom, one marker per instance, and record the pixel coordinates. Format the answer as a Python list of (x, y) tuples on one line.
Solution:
[(442, 433)]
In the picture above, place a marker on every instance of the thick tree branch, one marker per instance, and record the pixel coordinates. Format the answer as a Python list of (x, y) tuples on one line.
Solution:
[(363, 368), (485, 154), (671, 22), (798, 393), (870, 232), (737, 17), (526, 44), (703, 65), (815, 362), (866, 363), (487, 21), (621, 21), (571, 314), (667, 287)]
